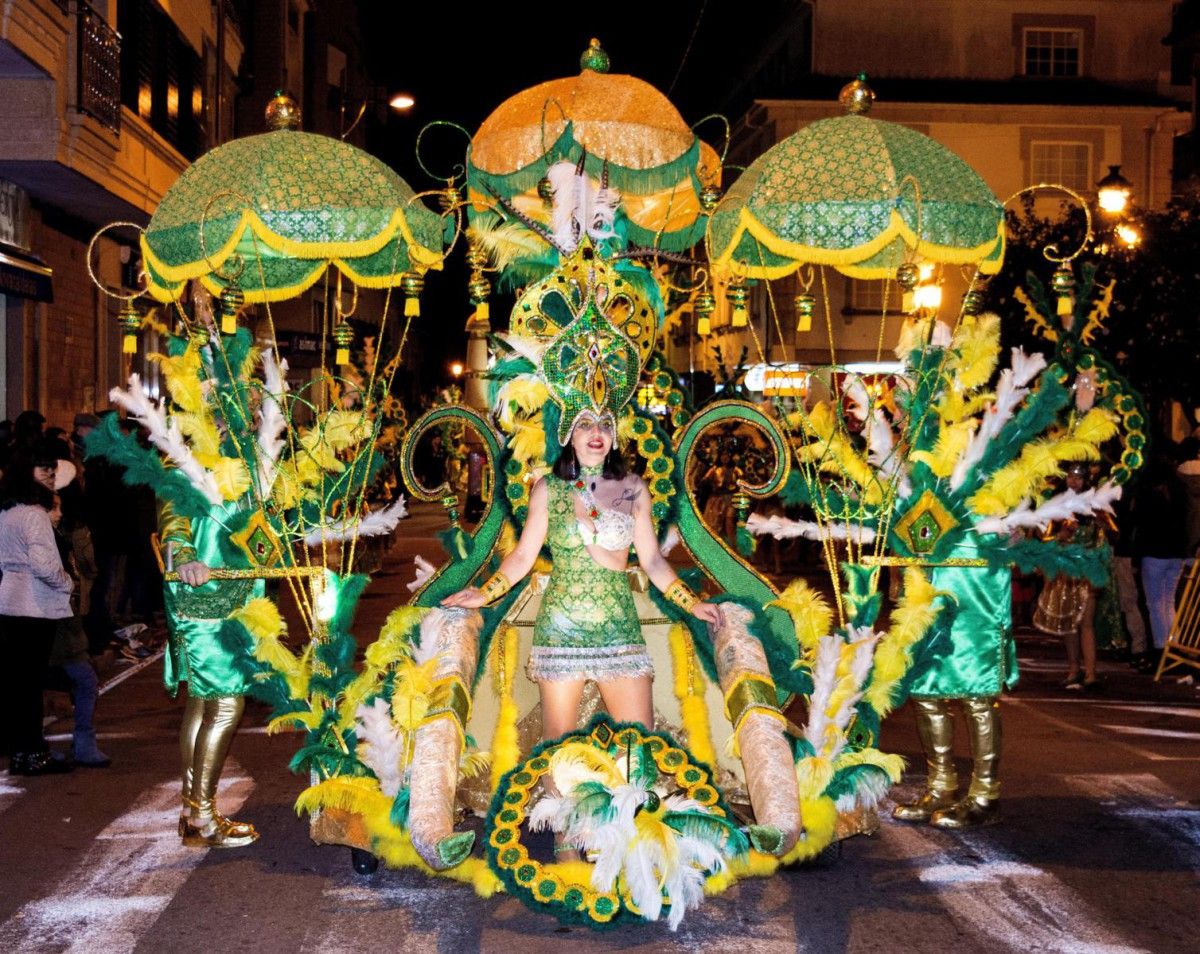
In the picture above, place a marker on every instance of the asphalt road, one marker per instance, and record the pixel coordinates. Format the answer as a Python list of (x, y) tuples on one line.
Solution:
[(1099, 849)]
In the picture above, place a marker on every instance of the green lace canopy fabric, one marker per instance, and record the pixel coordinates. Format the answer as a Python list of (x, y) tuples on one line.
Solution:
[(288, 203), (854, 192)]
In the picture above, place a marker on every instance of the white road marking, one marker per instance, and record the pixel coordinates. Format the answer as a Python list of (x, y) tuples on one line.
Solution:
[(995, 899), (1149, 731), (122, 883), (1074, 729), (10, 791)]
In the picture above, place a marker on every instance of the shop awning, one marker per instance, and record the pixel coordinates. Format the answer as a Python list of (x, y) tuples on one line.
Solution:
[(24, 274)]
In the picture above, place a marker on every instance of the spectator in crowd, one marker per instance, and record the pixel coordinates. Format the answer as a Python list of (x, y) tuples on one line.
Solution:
[(1126, 570), (69, 659), (1161, 540), (34, 593)]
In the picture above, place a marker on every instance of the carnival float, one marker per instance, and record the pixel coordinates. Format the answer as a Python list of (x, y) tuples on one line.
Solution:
[(595, 204)]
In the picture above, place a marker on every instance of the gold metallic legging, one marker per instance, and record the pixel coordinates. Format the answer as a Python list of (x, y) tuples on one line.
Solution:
[(209, 726), (936, 727)]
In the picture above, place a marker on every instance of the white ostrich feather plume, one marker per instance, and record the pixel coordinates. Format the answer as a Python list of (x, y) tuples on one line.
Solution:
[(424, 571), (1010, 392), (165, 436), (272, 423), (782, 528), (579, 207), (381, 748), (374, 524), (1063, 506)]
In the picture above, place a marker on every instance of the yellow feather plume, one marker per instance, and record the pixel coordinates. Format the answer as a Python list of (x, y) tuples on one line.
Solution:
[(344, 429), (262, 620), (310, 719), (528, 441), (890, 764), (261, 617), (506, 748), (1040, 460), (819, 817), (576, 762), (829, 448), (976, 350), (911, 619), (523, 395), (412, 693), (183, 376), (813, 775), (230, 474), (689, 690), (1035, 317), (811, 615), (952, 441)]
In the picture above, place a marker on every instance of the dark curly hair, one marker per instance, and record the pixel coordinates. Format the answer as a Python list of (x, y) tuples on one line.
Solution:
[(567, 465)]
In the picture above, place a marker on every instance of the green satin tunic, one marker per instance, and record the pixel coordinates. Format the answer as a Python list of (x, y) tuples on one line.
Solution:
[(976, 656), (205, 649)]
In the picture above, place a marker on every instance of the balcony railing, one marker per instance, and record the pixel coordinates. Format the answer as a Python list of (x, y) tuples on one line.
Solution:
[(99, 68)]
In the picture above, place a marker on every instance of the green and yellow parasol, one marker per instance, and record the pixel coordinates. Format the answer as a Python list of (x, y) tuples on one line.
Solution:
[(861, 195), (624, 125), (273, 211)]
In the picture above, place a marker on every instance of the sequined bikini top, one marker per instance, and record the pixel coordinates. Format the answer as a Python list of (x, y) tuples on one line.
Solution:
[(613, 530)]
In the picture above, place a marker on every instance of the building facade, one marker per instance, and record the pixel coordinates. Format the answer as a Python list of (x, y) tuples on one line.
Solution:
[(102, 105), (1024, 92)]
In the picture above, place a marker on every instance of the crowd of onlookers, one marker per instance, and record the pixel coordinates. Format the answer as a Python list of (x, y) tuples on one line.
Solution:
[(79, 584)]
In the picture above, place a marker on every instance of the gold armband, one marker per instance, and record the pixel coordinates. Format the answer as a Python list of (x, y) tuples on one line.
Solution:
[(679, 594), (496, 586)]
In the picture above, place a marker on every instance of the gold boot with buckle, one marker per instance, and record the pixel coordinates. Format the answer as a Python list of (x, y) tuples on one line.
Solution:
[(981, 806), (935, 726)]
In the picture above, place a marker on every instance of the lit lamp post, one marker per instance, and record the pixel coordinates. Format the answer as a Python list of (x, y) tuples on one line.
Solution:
[(1113, 192), (1113, 195)]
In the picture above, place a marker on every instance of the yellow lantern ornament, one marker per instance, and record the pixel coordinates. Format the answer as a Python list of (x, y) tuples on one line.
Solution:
[(231, 300), (343, 336), (703, 308), (412, 285), (129, 320), (1063, 282), (805, 306), (736, 294)]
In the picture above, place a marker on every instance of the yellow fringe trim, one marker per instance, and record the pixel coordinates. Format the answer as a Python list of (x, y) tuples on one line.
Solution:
[(362, 797), (689, 683), (849, 260), (506, 749)]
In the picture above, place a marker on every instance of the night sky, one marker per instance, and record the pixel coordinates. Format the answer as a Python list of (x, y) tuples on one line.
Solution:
[(459, 65)]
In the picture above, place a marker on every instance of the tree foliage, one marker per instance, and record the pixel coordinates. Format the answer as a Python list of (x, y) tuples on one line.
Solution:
[(1151, 334)]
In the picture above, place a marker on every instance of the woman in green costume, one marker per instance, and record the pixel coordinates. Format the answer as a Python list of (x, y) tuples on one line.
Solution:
[(590, 512)]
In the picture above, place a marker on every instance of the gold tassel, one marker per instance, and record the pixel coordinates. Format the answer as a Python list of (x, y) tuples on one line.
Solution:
[(129, 344), (1066, 305), (505, 745), (482, 311), (804, 323), (739, 316), (692, 708), (703, 327), (412, 307)]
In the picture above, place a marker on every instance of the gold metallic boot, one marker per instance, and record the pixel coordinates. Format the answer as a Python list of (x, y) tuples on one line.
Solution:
[(981, 805), (193, 718), (935, 726), (205, 826)]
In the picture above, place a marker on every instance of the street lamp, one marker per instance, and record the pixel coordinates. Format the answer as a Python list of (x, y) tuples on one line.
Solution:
[(1128, 234), (1113, 191), (456, 369), (400, 102)]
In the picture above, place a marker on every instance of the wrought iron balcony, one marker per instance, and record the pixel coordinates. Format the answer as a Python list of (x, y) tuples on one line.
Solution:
[(99, 68)]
